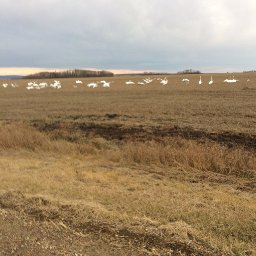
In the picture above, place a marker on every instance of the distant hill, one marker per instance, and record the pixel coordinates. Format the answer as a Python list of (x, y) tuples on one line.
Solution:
[(11, 77), (70, 74)]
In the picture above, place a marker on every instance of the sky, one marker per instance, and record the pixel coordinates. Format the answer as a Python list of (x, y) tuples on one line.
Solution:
[(126, 36)]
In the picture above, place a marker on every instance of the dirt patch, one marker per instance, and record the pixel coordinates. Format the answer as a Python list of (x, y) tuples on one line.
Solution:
[(131, 240), (21, 234)]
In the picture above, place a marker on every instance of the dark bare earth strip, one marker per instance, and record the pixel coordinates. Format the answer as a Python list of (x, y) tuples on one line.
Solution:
[(115, 131)]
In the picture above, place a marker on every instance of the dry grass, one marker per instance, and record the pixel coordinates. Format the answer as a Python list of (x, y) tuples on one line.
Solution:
[(123, 197), (221, 216), (20, 136), (184, 187), (172, 152), (189, 155)]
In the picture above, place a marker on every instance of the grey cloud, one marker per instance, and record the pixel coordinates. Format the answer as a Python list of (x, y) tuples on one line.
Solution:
[(150, 34)]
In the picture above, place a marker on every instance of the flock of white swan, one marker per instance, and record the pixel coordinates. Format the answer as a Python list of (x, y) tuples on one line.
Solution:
[(200, 82), (145, 81), (33, 85)]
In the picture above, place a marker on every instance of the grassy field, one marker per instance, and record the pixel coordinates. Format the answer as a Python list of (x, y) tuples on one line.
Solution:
[(169, 170)]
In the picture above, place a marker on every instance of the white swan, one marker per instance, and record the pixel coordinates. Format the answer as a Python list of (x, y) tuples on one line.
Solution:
[(200, 81), (164, 81), (93, 85), (105, 84), (148, 80), (185, 80), (129, 82), (56, 84), (43, 85), (230, 81), (211, 81), (34, 85)]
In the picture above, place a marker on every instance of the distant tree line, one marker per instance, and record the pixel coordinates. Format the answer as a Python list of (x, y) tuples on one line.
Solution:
[(249, 71), (69, 74), (156, 73), (144, 74), (189, 71)]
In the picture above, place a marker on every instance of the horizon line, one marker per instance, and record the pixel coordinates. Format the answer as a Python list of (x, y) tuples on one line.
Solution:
[(23, 71)]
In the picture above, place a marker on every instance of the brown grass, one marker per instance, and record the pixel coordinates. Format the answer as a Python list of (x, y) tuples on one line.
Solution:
[(189, 155), (122, 197), (20, 136), (172, 152), (190, 188)]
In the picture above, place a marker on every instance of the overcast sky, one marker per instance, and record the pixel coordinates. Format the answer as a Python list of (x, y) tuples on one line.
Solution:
[(164, 35)]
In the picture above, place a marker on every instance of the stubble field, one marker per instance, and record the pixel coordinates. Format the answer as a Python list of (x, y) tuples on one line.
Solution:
[(130, 169)]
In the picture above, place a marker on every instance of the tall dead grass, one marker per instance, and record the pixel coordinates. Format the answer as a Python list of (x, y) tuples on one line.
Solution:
[(172, 152), (189, 154), (16, 136)]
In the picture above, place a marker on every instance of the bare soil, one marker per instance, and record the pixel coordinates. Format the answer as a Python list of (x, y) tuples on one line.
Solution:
[(35, 226)]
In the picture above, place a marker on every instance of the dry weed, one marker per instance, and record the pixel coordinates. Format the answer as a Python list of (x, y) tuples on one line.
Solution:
[(188, 154)]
